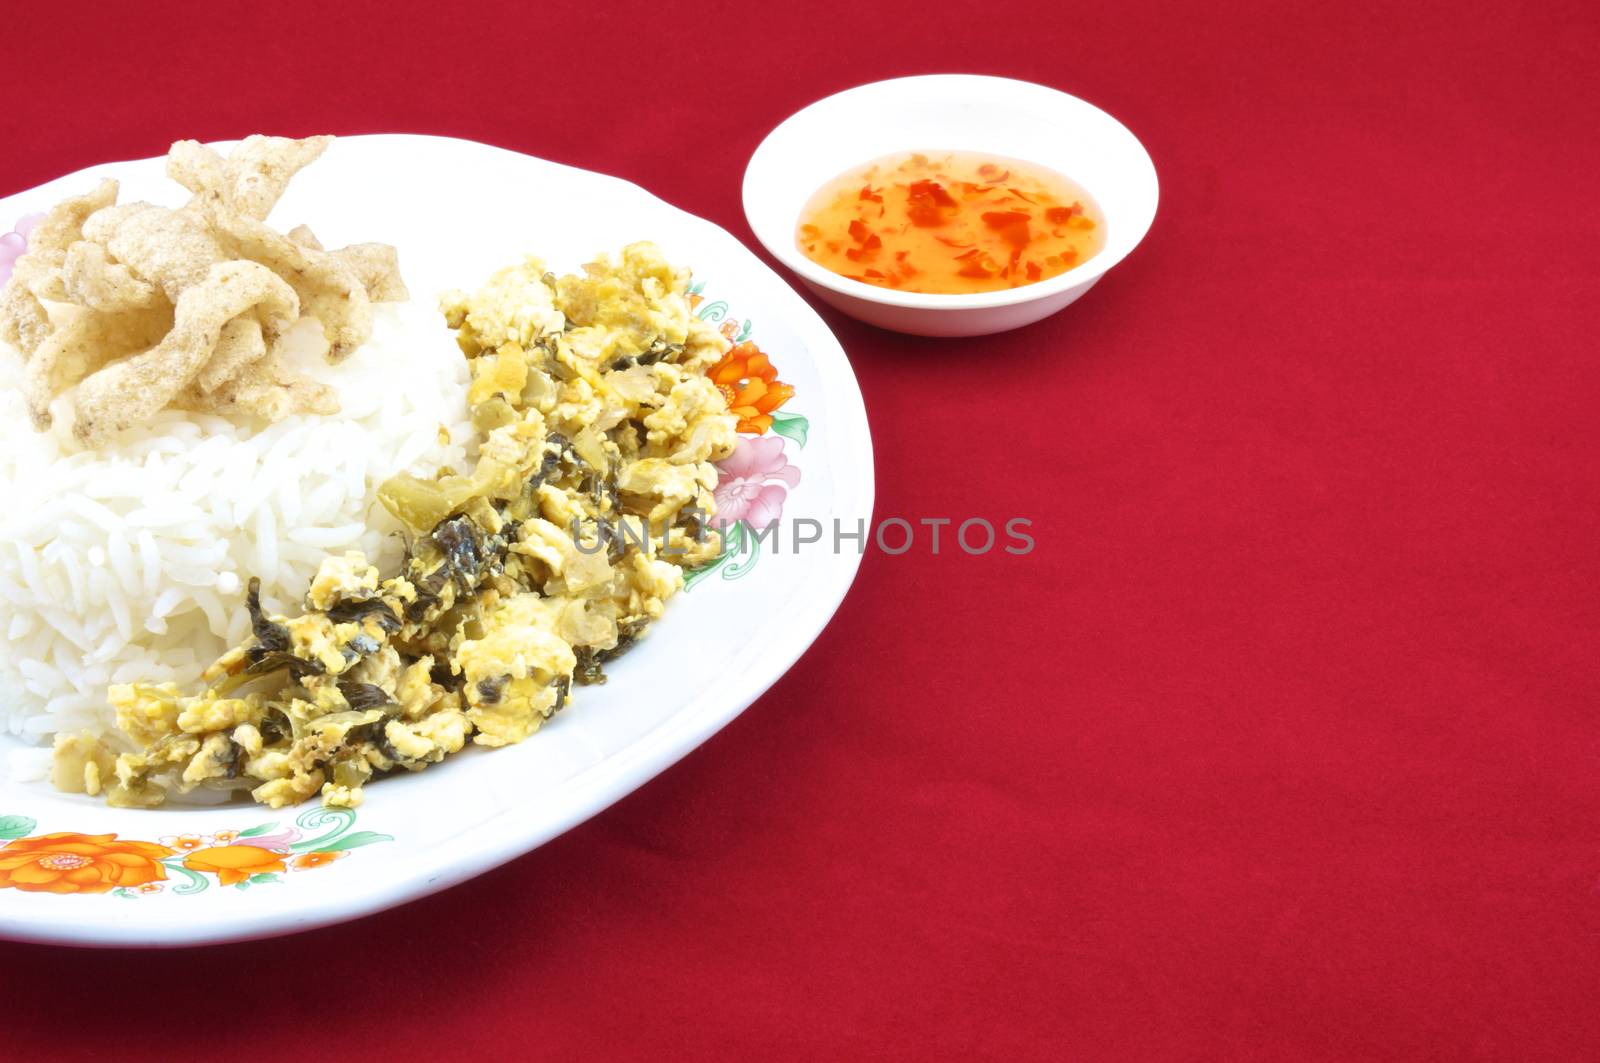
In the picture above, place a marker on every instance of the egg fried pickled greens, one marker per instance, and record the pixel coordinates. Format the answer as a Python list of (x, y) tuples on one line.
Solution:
[(591, 493)]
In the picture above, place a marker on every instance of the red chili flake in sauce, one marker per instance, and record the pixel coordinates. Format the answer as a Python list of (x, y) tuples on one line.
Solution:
[(1012, 225), (955, 223)]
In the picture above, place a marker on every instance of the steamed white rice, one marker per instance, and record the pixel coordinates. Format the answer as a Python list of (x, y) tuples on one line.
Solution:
[(130, 563)]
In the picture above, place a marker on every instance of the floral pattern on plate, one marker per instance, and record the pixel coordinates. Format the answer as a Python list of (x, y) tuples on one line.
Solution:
[(66, 862), (754, 481)]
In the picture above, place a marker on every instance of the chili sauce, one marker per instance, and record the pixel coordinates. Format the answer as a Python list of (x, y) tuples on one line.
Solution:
[(951, 223)]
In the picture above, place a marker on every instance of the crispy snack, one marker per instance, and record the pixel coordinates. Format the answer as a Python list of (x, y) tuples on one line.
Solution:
[(24, 322), (253, 178), (134, 307), (302, 235), (328, 289), (93, 279), (86, 341), (240, 344), (377, 266), (235, 194), (267, 389), (172, 249), (131, 389)]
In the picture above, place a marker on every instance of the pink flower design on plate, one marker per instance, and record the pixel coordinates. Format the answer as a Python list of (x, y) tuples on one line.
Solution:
[(753, 481), (14, 244), (278, 843)]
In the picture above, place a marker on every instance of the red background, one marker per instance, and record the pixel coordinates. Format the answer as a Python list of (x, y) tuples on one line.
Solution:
[(1282, 743)]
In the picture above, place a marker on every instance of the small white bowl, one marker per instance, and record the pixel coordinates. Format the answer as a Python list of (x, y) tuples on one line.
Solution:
[(950, 112)]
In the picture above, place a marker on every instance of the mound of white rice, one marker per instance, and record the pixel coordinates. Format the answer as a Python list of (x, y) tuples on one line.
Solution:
[(130, 563)]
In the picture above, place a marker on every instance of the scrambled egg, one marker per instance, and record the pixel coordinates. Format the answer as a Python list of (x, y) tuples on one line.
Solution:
[(591, 493)]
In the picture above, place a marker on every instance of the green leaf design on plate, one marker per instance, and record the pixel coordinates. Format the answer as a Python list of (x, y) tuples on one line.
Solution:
[(265, 876), (744, 551), (354, 841), (16, 827), (258, 829), (792, 426), (342, 820), (744, 332), (197, 883)]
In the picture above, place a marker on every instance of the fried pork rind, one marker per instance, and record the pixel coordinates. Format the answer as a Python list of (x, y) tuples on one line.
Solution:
[(236, 194), (24, 322), (91, 278), (169, 248), (252, 178), (245, 376), (64, 224), (329, 290), (239, 345), (134, 307), (267, 389), (376, 266), (302, 235), (86, 341), (132, 389)]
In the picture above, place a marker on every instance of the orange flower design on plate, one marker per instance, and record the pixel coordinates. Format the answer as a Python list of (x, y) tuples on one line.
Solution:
[(749, 381), (79, 863), (180, 864), (234, 863), (310, 861)]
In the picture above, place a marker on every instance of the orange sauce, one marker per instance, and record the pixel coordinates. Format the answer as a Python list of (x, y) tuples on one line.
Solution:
[(950, 222)]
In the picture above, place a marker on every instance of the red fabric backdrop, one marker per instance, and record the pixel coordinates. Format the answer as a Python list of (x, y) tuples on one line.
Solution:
[(1282, 743)]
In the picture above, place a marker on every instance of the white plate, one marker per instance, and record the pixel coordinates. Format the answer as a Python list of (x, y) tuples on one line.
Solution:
[(457, 210)]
